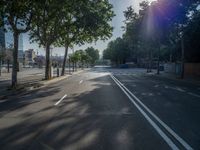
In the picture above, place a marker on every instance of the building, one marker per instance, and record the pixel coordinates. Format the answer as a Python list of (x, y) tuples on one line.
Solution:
[(29, 56), (20, 43), (21, 56), (20, 50), (2, 38)]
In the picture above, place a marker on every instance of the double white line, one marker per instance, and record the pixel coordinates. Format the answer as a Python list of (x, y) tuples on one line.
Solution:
[(141, 107)]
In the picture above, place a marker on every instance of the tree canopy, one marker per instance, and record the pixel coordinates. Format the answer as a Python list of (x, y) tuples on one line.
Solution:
[(93, 54), (156, 32)]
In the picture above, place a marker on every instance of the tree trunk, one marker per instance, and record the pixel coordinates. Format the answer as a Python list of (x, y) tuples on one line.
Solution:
[(64, 61), (69, 67), (82, 65), (15, 59), (0, 65), (151, 56), (8, 65), (182, 57), (48, 64), (158, 63), (73, 66)]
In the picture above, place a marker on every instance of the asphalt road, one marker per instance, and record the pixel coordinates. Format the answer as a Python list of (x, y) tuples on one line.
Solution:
[(104, 109)]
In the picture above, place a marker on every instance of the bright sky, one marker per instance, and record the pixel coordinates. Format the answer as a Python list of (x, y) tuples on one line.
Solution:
[(117, 23)]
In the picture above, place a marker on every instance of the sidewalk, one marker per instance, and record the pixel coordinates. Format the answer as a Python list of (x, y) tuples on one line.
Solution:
[(29, 83), (174, 77)]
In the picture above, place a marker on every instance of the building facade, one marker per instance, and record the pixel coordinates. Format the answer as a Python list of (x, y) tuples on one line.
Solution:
[(29, 56), (20, 50)]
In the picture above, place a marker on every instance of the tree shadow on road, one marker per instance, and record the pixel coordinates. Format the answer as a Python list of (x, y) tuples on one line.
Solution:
[(95, 119), (22, 100)]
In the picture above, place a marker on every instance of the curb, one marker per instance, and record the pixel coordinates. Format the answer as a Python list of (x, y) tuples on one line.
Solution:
[(56, 79), (38, 85), (195, 82)]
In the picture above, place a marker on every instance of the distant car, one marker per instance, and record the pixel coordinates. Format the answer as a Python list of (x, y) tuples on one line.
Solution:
[(123, 66)]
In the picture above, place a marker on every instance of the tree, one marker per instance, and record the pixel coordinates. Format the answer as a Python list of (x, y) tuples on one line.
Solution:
[(2, 56), (93, 54), (117, 51), (8, 58), (135, 32), (156, 32), (74, 58), (86, 22), (192, 41), (2, 4), (17, 17), (83, 57), (46, 26)]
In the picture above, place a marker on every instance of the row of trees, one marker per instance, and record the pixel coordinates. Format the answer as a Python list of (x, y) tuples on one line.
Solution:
[(162, 30), (84, 57), (56, 23)]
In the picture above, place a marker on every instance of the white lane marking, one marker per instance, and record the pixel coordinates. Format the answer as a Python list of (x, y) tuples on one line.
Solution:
[(81, 82), (184, 143), (60, 100), (193, 94), (156, 85), (174, 88), (155, 126)]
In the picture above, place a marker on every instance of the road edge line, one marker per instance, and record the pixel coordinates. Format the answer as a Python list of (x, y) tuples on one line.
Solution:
[(174, 134), (153, 124)]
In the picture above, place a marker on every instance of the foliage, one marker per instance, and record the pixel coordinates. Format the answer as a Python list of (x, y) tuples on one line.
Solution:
[(191, 37), (155, 33), (47, 26), (89, 21), (16, 16), (87, 56), (93, 54), (64, 23), (85, 22), (117, 51)]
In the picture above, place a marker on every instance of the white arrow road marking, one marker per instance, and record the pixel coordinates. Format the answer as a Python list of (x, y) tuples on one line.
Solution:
[(81, 82), (60, 100)]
